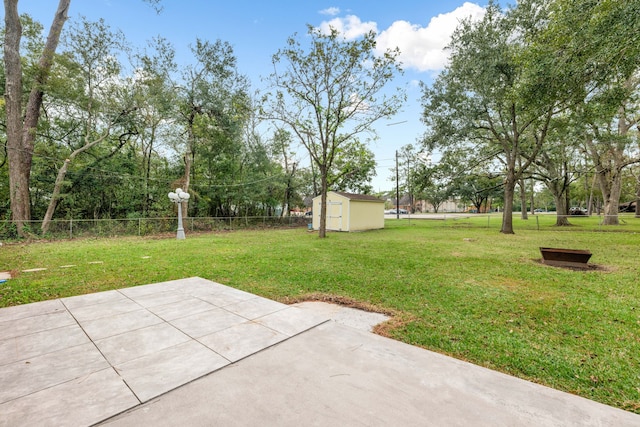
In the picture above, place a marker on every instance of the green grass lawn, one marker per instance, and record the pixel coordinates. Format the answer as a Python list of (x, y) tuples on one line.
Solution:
[(457, 287)]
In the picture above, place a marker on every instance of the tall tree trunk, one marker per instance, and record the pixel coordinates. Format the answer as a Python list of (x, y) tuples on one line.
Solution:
[(21, 134), (147, 152), (62, 173), (611, 196), (590, 201), (322, 233), (609, 175), (610, 163), (507, 213), (55, 197), (562, 209), (19, 159), (523, 199), (638, 198), (188, 162), (532, 197)]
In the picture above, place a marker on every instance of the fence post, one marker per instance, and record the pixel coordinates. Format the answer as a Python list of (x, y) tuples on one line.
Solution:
[(538, 222), (71, 228), (488, 221)]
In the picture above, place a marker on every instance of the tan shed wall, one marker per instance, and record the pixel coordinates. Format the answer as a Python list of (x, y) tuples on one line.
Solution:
[(366, 215), (349, 215)]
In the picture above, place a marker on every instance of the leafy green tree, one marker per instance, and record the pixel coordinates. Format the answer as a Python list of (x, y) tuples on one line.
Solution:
[(433, 183), (155, 98), (497, 94), (479, 188), (329, 94), (608, 139), (597, 45), (91, 96), (214, 105), (22, 123), (353, 168), (282, 153), (558, 165)]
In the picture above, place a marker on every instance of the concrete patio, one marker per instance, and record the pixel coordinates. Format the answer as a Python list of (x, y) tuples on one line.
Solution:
[(194, 352)]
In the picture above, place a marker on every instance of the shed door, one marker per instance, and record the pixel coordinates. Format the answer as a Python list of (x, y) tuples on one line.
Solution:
[(334, 216)]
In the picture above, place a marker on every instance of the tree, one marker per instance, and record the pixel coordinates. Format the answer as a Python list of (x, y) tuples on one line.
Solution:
[(353, 168), (433, 183), (330, 94), (479, 188), (558, 163), (93, 94), (609, 140), (497, 94), (281, 150), (156, 100), (214, 105), (597, 45), (22, 124)]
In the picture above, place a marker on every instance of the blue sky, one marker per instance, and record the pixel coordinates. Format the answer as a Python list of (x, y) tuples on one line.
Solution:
[(258, 28)]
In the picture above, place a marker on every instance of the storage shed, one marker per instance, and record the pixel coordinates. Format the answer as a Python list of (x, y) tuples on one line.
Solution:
[(350, 212)]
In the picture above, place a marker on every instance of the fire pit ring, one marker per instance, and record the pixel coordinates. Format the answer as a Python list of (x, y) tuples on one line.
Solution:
[(559, 257)]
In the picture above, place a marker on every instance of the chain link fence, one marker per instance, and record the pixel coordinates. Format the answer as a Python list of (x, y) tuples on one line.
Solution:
[(76, 228), (627, 222)]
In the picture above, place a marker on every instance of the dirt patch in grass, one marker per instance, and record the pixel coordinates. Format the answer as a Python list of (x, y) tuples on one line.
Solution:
[(588, 267), (340, 300), (13, 273), (385, 329), (397, 319)]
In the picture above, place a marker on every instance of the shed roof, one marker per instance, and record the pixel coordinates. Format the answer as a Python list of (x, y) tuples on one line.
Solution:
[(360, 197)]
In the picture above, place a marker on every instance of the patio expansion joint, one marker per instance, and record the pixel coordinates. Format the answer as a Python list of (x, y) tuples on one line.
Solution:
[(140, 366), (111, 365)]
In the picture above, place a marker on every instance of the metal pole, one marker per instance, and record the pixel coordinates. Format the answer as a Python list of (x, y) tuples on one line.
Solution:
[(180, 235), (397, 188)]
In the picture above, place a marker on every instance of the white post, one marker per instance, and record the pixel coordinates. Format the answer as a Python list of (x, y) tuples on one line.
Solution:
[(180, 235), (178, 198)]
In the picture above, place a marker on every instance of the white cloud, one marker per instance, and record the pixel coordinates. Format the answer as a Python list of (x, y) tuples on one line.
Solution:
[(351, 27), (331, 11), (422, 48)]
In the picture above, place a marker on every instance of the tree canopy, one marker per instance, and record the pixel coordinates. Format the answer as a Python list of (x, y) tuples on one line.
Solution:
[(328, 93), (516, 72)]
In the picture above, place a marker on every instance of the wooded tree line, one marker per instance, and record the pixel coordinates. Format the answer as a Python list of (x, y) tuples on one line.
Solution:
[(118, 128), (544, 90), (547, 90)]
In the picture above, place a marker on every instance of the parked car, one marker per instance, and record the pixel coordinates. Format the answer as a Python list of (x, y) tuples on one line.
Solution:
[(627, 207), (308, 213), (400, 211), (576, 210)]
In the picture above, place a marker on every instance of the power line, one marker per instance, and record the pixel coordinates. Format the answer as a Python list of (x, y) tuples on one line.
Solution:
[(142, 178)]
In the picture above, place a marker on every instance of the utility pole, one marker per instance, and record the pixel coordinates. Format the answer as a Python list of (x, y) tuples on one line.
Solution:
[(397, 188), (397, 176)]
